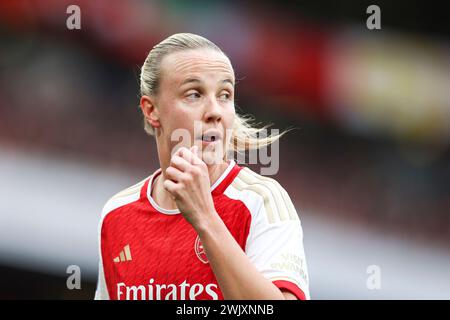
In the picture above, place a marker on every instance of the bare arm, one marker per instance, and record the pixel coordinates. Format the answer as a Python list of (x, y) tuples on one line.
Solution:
[(238, 278), (188, 182)]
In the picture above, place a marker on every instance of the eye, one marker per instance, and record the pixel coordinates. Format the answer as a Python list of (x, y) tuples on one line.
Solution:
[(193, 95), (225, 96)]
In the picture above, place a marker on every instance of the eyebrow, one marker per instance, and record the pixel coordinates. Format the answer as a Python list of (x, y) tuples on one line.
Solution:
[(195, 80), (228, 80), (190, 80)]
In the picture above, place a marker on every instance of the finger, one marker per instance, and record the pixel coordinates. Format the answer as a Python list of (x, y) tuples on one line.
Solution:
[(173, 174), (171, 187), (179, 163), (186, 154), (196, 159), (182, 151)]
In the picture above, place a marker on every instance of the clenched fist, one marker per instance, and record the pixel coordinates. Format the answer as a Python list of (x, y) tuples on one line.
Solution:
[(187, 180)]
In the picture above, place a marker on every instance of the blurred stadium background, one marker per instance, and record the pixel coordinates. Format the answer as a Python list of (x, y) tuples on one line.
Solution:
[(368, 169)]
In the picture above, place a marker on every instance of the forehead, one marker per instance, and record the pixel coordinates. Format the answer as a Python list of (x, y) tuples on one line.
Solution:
[(199, 63)]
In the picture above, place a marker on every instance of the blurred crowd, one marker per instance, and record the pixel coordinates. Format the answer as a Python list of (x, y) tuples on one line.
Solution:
[(363, 157)]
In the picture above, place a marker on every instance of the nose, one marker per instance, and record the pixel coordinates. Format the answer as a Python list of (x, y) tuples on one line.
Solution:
[(213, 111)]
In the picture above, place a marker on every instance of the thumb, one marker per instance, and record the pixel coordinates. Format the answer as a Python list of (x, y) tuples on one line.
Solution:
[(194, 150)]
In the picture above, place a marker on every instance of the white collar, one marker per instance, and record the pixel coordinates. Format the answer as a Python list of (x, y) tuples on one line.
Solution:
[(176, 211)]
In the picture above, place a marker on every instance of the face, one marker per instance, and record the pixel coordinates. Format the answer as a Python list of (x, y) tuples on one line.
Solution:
[(195, 102)]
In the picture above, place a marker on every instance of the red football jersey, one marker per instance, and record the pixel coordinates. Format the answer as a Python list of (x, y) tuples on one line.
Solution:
[(148, 252)]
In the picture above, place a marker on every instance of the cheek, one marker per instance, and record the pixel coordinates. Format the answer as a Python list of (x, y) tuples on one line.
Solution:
[(228, 122), (180, 126), (229, 117), (177, 117)]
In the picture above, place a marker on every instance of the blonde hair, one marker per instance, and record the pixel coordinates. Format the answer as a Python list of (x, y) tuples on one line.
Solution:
[(244, 136)]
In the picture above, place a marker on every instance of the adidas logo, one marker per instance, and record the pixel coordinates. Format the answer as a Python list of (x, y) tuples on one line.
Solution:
[(124, 255)]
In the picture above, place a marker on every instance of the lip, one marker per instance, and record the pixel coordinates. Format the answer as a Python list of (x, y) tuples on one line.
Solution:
[(211, 132), (209, 143)]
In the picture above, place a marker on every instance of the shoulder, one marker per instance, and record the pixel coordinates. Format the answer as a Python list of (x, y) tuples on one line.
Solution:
[(262, 194), (124, 197)]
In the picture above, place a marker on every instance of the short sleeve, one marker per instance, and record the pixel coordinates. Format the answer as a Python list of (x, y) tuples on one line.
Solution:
[(101, 293), (275, 244)]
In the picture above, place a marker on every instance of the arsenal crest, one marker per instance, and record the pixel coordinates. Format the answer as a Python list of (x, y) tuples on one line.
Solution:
[(199, 251)]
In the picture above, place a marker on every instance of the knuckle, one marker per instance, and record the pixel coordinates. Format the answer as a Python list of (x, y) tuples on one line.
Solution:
[(191, 169), (197, 171), (168, 187), (203, 165), (197, 161), (174, 159)]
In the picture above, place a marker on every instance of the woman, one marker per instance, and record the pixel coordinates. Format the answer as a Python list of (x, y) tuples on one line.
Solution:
[(200, 227)]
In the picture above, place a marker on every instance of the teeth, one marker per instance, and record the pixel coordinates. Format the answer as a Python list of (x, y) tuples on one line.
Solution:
[(209, 138)]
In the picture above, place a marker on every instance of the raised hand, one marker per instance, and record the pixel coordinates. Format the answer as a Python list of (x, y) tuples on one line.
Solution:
[(187, 180)]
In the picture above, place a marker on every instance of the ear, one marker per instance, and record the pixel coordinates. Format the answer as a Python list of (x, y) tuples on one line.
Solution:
[(151, 113)]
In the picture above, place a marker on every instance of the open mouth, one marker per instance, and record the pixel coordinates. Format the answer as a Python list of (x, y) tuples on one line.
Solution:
[(209, 138)]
